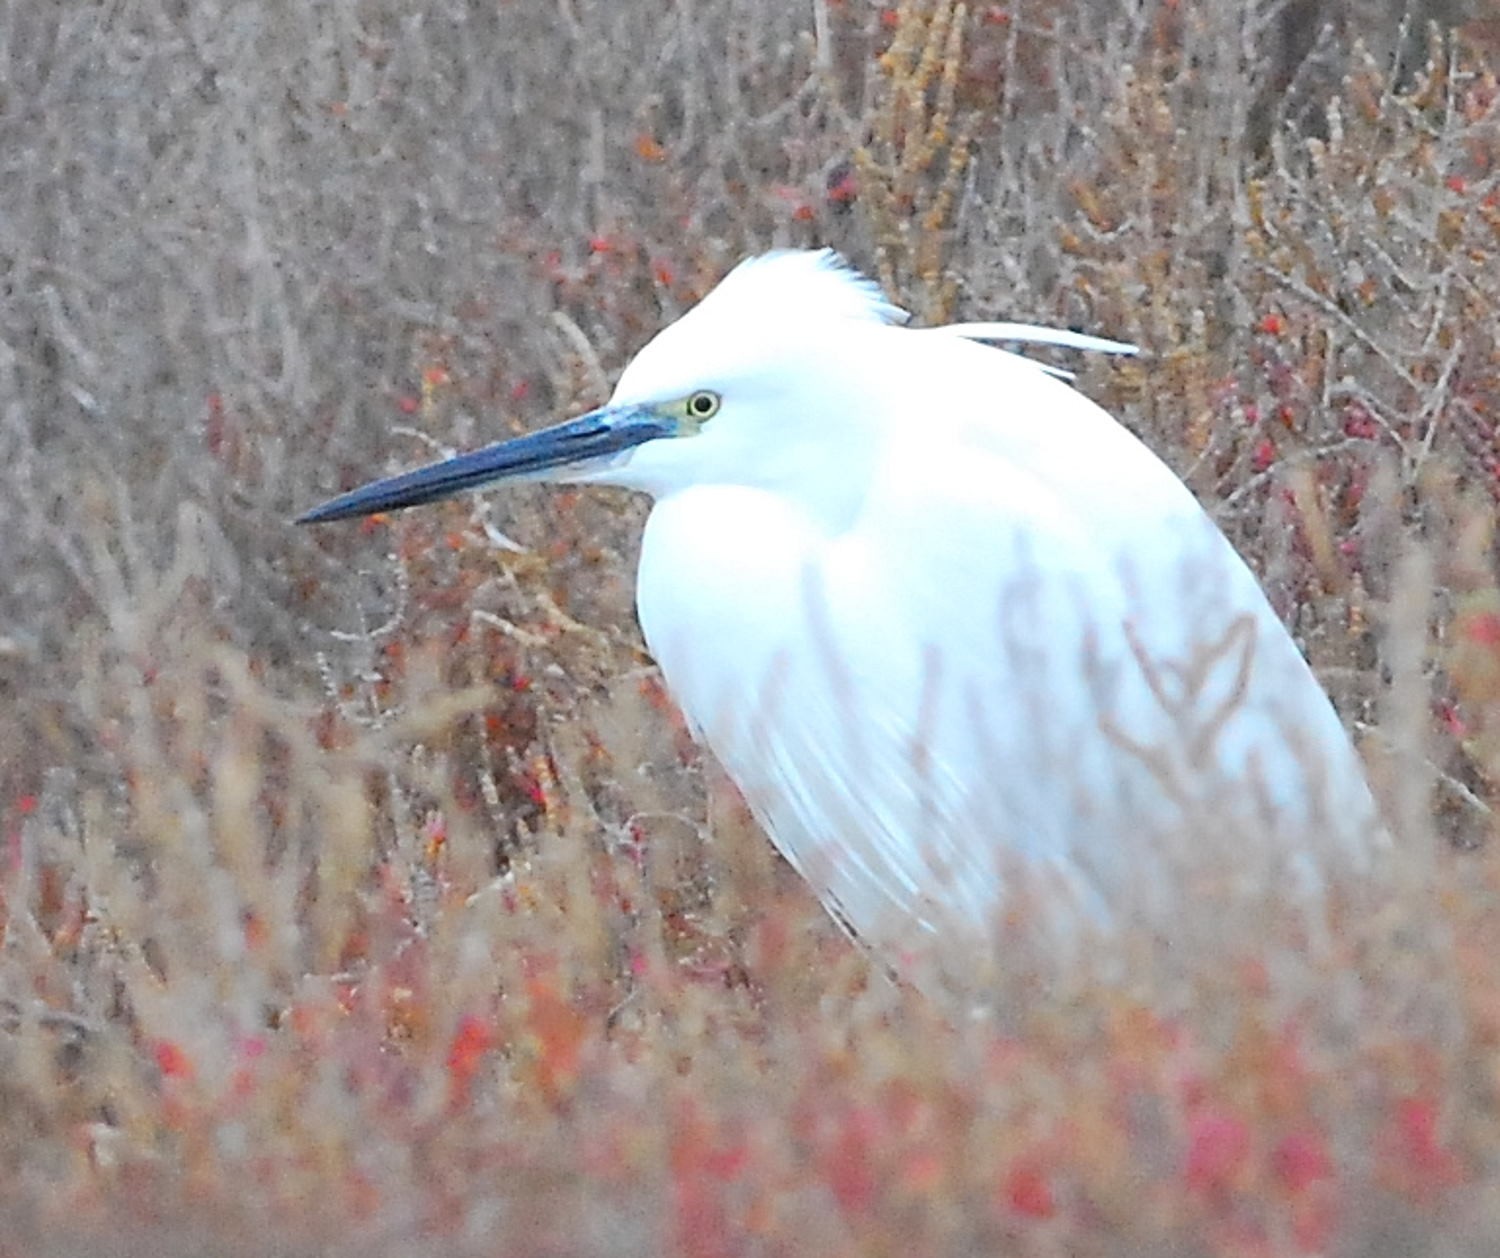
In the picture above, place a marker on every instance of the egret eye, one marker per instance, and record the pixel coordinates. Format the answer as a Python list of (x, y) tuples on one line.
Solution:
[(703, 404)]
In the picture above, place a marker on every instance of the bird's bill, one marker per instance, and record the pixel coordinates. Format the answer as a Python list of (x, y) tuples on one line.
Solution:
[(570, 446)]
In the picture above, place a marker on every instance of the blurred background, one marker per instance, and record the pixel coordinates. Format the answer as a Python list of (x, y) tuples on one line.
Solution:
[(363, 879)]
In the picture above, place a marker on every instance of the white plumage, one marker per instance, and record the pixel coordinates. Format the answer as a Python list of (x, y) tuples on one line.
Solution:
[(942, 619)]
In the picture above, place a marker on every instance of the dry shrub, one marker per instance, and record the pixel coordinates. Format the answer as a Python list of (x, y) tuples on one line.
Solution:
[(361, 891)]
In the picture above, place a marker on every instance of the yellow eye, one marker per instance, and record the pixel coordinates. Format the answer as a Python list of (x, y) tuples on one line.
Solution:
[(702, 405)]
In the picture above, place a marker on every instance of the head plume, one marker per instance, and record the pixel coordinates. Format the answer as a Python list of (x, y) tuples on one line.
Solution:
[(817, 285)]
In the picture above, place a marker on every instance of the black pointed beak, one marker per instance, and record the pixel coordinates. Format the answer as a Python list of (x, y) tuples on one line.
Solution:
[(598, 435)]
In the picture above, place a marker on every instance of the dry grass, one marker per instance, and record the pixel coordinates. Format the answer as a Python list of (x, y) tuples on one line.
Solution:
[(359, 889)]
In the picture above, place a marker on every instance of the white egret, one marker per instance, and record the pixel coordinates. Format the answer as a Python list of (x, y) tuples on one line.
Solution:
[(942, 619)]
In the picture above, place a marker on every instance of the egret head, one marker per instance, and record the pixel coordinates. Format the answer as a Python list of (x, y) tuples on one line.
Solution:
[(738, 391)]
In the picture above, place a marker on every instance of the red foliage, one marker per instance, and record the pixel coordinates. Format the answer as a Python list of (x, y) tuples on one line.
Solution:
[(1028, 1190), (473, 1037), (1218, 1150), (172, 1060), (847, 1163), (1481, 627), (249, 1052), (1300, 1159), (1359, 423), (842, 189), (1416, 1160), (1452, 721), (558, 1031), (701, 1163), (702, 1222)]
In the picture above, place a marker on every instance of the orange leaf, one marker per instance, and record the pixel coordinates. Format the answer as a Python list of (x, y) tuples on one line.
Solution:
[(472, 1039), (172, 1060), (559, 1030)]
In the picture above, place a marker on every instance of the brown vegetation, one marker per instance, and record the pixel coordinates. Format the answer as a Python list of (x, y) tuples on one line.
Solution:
[(360, 890)]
